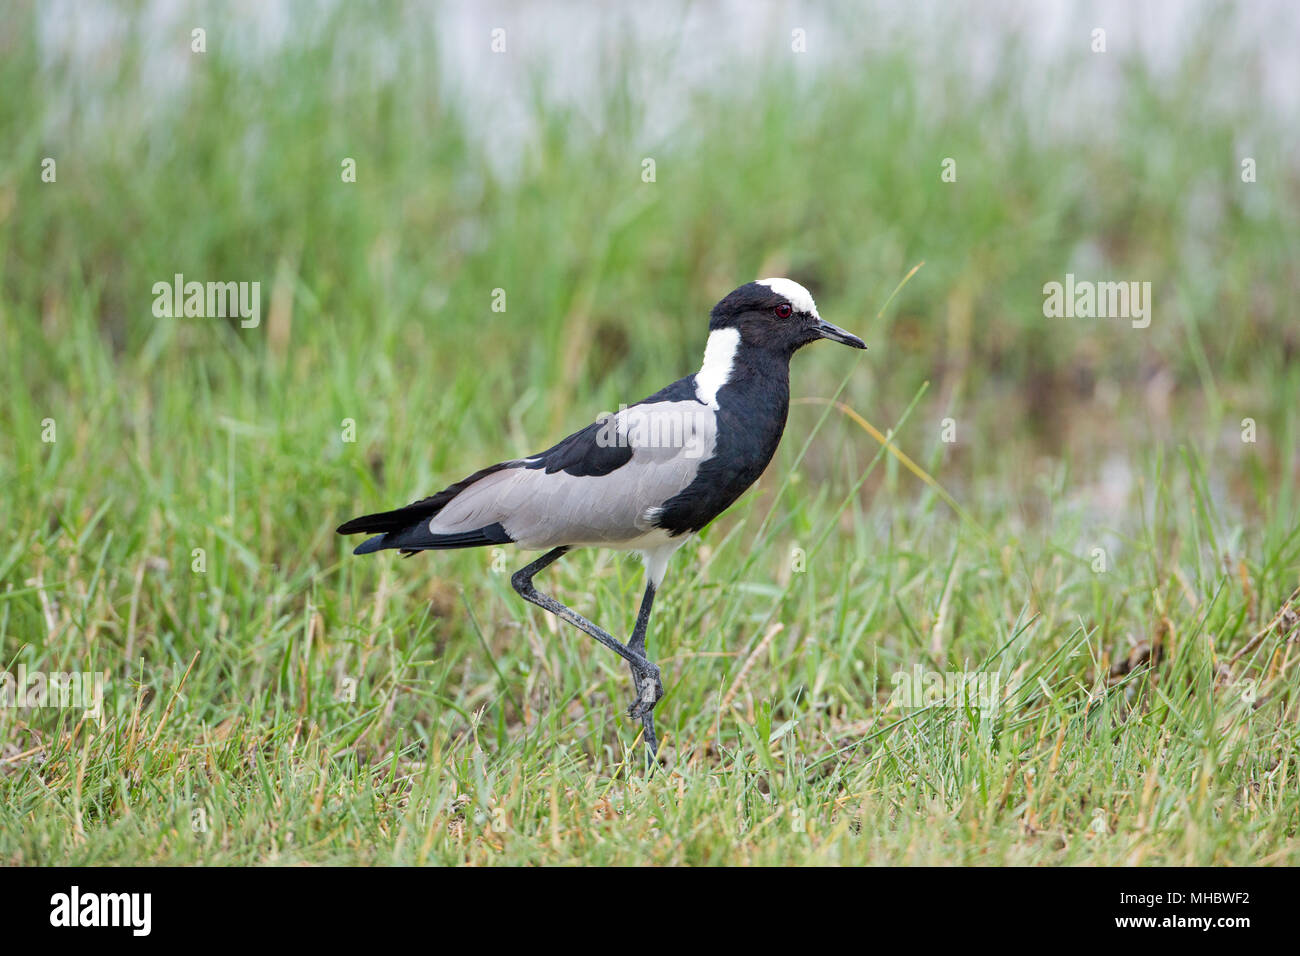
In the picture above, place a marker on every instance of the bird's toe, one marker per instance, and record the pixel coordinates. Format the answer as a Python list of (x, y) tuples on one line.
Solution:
[(649, 689)]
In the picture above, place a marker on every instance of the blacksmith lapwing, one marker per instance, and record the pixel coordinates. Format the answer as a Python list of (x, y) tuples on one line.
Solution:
[(643, 479)]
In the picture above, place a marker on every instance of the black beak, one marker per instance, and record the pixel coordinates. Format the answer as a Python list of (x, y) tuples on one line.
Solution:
[(836, 334)]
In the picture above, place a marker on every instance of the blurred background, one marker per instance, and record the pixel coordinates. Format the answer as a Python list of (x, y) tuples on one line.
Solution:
[(804, 140), (522, 170)]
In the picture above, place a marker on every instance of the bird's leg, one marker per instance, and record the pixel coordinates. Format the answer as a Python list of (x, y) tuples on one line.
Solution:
[(648, 687), (643, 671)]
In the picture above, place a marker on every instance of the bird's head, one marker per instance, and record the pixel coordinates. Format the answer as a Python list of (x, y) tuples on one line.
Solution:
[(777, 315)]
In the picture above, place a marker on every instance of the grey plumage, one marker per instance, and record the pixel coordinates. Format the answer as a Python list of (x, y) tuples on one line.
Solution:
[(540, 509)]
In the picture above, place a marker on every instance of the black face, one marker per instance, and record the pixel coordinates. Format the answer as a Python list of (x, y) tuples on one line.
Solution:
[(769, 320)]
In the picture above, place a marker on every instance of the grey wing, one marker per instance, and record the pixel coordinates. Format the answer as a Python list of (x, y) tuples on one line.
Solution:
[(662, 443)]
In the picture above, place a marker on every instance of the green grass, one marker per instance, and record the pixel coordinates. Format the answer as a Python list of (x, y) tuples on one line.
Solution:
[(1144, 724)]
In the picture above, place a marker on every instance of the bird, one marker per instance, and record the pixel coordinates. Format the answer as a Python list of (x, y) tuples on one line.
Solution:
[(645, 479)]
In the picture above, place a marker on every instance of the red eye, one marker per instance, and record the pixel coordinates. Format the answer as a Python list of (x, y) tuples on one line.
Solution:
[(783, 310)]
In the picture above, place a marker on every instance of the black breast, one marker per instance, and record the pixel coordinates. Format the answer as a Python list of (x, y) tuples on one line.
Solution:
[(752, 409)]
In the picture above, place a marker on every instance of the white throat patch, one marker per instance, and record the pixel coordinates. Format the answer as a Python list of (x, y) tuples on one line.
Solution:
[(798, 296), (719, 354)]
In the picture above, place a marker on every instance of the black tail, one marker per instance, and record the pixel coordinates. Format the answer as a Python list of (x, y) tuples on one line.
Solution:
[(408, 528)]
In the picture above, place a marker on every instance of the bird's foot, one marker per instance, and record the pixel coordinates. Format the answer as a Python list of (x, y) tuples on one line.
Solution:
[(650, 690)]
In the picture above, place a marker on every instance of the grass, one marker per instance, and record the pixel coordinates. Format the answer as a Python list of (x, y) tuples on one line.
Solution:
[(272, 699)]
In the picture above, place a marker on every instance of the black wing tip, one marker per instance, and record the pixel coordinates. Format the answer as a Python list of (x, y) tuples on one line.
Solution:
[(381, 523), (417, 538), (385, 522)]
